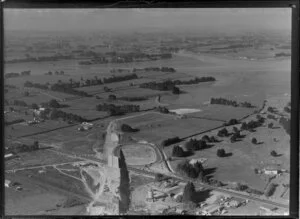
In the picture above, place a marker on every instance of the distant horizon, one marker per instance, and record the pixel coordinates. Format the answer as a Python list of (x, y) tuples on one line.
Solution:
[(93, 20)]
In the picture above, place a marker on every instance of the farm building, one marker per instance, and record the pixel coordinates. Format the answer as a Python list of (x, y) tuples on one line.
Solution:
[(7, 183), (271, 170)]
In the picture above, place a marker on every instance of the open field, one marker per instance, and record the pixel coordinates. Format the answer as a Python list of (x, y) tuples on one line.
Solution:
[(38, 158), (139, 154), (64, 139), (23, 129), (157, 127)]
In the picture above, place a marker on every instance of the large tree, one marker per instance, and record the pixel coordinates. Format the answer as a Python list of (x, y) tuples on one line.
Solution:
[(54, 104), (188, 192), (124, 184)]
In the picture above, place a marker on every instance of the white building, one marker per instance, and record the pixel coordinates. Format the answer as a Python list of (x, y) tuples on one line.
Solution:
[(7, 156), (7, 183)]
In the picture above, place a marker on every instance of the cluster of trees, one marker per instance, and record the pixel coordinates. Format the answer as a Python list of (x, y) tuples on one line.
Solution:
[(286, 124), (269, 116), (162, 86), (113, 78), (55, 114), (162, 69), (178, 151), (13, 75), (191, 170), (162, 109), (117, 110), (223, 133), (170, 141), (272, 109), (119, 70), (208, 139), (128, 128), (236, 136), (233, 103), (231, 122), (19, 148), (195, 145), (55, 73), (252, 124)]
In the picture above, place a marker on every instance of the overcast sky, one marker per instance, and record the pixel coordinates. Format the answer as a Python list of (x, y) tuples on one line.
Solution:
[(101, 19)]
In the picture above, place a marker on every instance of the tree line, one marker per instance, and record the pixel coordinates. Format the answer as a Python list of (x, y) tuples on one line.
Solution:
[(13, 75), (55, 73), (233, 103), (117, 110), (158, 69)]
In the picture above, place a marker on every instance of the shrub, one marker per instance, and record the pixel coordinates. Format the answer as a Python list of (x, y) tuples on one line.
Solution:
[(254, 141), (221, 153)]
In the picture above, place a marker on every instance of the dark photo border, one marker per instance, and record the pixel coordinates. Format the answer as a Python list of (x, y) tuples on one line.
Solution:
[(295, 82)]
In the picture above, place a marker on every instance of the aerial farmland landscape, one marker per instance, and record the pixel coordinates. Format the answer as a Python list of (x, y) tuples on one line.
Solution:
[(147, 111)]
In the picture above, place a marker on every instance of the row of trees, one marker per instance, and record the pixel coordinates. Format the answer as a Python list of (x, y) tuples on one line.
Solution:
[(233, 103), (162, 86), (162, 69), (13, 75), (59, 87), (170, 141), (41, 59), (253, 124), (114, 78), (196, 80), (55, 114), (55, 73), (162, 109), (117, 110), (128, 128), (19, 148)]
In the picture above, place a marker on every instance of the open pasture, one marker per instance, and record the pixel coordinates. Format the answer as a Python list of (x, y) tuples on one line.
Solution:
[(239, 167), (71, 140)]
